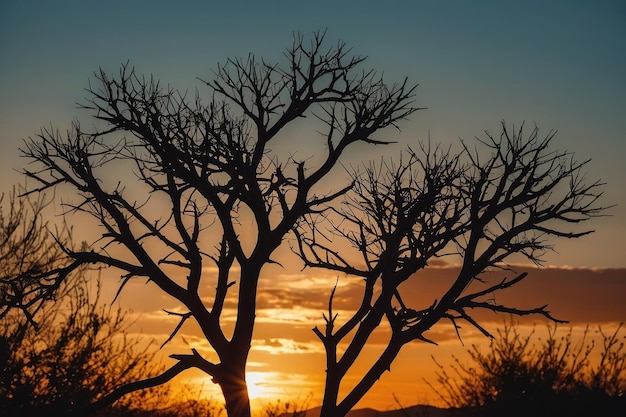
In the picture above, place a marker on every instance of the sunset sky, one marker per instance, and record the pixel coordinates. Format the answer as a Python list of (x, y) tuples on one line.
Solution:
[(558, 64)]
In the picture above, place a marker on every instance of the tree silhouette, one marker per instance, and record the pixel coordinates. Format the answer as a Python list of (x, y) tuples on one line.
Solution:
[(506, 196), (77, 351), (206, 167)]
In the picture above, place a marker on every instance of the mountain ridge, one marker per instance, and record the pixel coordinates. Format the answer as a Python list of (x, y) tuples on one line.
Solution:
[(412, 411)]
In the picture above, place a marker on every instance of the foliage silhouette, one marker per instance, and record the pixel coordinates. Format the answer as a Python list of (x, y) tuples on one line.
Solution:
[(78, 354), (210, 192), (525, 375)]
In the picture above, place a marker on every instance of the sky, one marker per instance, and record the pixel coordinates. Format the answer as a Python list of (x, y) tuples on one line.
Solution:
[(558, 64)]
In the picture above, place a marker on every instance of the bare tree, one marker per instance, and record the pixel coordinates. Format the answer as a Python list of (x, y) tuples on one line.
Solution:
[(216, 194), (33, 262), (508, 196)]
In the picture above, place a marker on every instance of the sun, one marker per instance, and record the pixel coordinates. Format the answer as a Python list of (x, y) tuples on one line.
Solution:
[(257, 385)]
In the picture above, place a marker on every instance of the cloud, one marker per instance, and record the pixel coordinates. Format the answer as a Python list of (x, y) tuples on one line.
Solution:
[(293, 315), (280, 346), (161, 315), (579, 295), (293, 304)]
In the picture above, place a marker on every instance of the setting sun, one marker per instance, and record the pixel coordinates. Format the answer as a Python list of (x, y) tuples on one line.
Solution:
[(257, 385)]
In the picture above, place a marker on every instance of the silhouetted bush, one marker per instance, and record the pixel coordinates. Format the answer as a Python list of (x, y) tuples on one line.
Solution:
[(291, 408), (78, 353), (555, 377), (60, 348)]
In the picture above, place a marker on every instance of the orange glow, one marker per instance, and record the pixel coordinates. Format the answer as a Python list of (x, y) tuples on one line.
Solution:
[(287, 361), (257, 385)]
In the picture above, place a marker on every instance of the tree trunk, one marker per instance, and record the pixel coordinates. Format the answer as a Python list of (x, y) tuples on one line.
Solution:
[(329, 410), (235, 392), (382, 365)]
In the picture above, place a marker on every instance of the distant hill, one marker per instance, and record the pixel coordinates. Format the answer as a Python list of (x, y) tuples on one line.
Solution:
[(414, 411)]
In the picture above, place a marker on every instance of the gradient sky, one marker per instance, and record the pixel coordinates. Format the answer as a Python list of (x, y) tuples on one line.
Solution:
[(559, 64)]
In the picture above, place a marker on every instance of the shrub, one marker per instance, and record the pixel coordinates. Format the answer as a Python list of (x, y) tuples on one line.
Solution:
[(555, 377), (78, 353)]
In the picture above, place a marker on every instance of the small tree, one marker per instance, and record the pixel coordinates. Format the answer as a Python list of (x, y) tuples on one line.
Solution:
[(524, 375)]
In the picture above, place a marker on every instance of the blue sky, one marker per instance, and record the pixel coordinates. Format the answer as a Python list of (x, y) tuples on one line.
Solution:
[(559, 64)]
